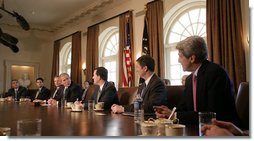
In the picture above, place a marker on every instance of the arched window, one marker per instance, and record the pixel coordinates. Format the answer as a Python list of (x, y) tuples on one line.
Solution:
[(65, 59), (189, 19), (109, 47)]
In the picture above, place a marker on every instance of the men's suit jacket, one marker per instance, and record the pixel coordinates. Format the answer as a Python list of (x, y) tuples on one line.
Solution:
[(214, 93), (44, 94), (73, 92), (154, 95), (59, 93), (108, 95), (22, 92)]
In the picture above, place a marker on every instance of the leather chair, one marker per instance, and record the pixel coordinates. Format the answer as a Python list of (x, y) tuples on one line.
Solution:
[(90, 91), (242, 104), (126, 95)]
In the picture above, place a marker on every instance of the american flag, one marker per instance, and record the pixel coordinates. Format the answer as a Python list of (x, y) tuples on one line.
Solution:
[(127, 59)]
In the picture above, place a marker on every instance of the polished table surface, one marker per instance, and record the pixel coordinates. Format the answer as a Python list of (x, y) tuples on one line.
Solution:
[(58, 121)]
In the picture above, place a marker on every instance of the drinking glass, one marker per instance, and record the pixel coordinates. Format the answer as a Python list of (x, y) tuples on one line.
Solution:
[(29, 127)]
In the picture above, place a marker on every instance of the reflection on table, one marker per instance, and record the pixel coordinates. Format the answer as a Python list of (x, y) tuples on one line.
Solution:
[(59, 121)]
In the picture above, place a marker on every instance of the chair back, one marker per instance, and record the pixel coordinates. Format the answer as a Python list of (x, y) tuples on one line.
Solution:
[(126, 95), (90, 91), (242, 104)]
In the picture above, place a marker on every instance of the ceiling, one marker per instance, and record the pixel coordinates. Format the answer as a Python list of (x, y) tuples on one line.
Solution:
[(51, 14)]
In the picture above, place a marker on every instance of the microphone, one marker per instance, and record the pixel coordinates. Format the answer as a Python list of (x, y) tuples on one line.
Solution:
[(14, 48), (9, 41), (8, 38), (21, 21)]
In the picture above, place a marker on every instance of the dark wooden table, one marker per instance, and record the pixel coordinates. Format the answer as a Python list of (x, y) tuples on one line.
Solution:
[(57, 121)]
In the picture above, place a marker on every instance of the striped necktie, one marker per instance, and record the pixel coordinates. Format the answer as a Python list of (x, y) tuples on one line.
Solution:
[(98, 95), (143, 90), (55, 92)]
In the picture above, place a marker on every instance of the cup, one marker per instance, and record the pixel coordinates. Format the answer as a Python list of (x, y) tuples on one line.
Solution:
[(99, 105), (205, 118), (161, 123), (5, 131), (69, 104), (90, 105), (174, 130), (29, 127), (149, 128)]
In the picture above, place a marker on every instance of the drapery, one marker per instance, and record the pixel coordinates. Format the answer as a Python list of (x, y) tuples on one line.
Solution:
[(225, 37), (155, 15), (76, 64), (92, 51)]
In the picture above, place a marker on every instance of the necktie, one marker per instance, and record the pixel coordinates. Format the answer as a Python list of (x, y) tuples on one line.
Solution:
[(55, 92), (37, 93), (64, 93), (98, 95), (143, 90), (194, 88), (84, 94), (16, 94)]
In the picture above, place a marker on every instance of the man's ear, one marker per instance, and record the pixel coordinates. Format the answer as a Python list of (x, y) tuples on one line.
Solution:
[(192, 58), (146, 68)]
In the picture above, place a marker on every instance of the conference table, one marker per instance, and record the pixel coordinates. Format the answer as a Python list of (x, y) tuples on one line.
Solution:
[(60, 121)]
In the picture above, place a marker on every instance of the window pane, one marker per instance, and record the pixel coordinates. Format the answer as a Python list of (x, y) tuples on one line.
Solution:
[(111, 67), (174, 38), (112, 45), (174, 57), (175, 69)]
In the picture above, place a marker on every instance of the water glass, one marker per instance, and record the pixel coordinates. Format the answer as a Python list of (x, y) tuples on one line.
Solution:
[(5, 131), (29, 127), (91, 104), (205, 118)]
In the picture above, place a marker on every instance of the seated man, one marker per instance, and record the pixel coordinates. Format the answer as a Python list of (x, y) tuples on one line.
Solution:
[(17, 91), (153, 91), (57, 94), (71, 90), (43, 93), (107, 91), (208, 88)]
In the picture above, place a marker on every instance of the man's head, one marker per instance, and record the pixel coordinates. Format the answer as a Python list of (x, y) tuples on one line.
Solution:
[(66, 80), (57, 81), (39, 82), (192, 50), (14, 84), (144, 65), (100, 75)]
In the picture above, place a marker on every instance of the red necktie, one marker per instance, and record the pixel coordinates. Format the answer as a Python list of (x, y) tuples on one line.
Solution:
[(194, 88)]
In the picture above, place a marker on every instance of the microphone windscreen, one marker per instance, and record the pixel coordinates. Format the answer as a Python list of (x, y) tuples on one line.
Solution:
[(21, 21), (14, 48), (10, 39)]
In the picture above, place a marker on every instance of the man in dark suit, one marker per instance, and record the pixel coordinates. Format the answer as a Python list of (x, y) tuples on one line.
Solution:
[(17, 91), (71, 90), (152, 91), (207, 89), (43, 93), (57, 94), (107, 91)]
